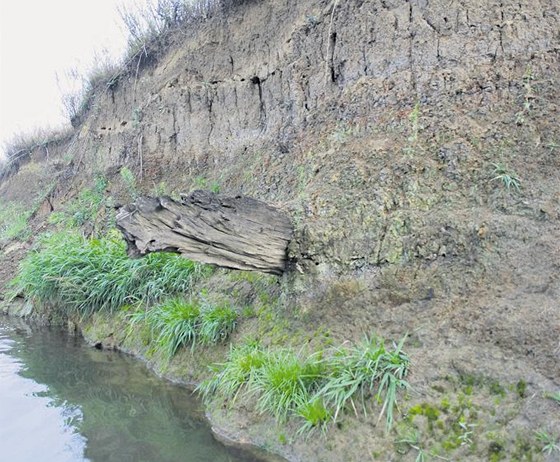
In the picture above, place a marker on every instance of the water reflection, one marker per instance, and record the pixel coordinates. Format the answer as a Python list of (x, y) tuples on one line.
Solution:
[(63, 401)]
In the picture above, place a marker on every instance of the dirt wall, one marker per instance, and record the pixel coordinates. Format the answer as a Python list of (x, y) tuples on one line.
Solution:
[(415, 144)]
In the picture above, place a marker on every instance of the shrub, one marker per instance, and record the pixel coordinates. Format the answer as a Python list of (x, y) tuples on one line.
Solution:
[(150, 26), (88, 275), (21, 145)]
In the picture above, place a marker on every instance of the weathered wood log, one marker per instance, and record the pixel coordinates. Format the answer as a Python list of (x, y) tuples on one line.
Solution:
[(232, 232)]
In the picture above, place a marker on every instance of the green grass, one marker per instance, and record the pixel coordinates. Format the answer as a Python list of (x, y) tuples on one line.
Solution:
[(507, 177), (234, 375), (315, 415), (554, 396), (286, 381), (177, 323), (363, 370), (173, 324), (411, 440), (85, 208), (316, 388), (129, 180), (87, 275), (14, 222), (217, 323), (549, 444), (14, 217)]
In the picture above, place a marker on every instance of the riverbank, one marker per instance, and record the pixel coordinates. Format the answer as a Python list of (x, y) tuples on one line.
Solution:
[(466, 398), (85, 404), (448, 410), (414, 147), (54, 275)]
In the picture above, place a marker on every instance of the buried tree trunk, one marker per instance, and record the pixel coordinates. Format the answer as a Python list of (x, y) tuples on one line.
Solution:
[(232, 232)]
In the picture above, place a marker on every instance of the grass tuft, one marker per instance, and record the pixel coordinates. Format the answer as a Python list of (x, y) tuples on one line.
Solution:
[(361, 370), (549, 443), (554, 396), (176, 323), (286, 382), (85, 208), (88, 275), (173, 324), (237, 373), (316, 388), (315, 415), (507, 177), (217, 323), (13, 222)]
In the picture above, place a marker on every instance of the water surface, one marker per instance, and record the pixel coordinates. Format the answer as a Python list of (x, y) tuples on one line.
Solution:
[(61, 400)]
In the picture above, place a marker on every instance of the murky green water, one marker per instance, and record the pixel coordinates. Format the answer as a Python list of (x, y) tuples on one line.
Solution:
[(61, 400)]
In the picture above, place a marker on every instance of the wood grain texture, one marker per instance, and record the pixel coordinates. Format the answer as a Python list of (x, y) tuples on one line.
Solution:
[(232, 232)]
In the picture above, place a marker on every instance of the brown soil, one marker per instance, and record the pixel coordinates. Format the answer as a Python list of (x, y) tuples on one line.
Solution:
[(383, 129)]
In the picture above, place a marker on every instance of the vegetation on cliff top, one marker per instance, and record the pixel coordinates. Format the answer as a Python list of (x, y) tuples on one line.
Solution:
[(149, 30)]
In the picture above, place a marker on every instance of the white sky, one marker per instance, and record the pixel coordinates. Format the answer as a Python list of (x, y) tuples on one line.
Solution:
[(40, 38)]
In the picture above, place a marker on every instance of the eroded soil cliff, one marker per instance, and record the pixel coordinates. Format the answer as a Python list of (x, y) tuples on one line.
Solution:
[(415, 144)]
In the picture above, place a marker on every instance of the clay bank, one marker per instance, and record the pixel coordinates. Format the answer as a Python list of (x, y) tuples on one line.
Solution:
[(338, 222)]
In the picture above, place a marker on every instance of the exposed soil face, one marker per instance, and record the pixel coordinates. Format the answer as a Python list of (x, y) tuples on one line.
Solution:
[(388, 130)]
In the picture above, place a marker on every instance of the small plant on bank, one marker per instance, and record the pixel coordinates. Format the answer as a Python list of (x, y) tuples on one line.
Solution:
[(507, 177), (554, 396), (235, 374), (85, 208), (177, 323), (414, 118), (13, 222), (217, 323), (286, 382), (129, 180), (358, 371), (201, 182), (529, 97), (173, 324), (548, 442), (411, 440), (160, 189), (315, 415), (414, 130), (14, 217)]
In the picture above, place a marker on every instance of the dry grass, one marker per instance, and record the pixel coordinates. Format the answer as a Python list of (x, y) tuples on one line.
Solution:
[(148, 31), (21, 145)]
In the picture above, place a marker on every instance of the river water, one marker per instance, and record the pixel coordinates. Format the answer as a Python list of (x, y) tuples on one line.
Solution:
[(63, 401)]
